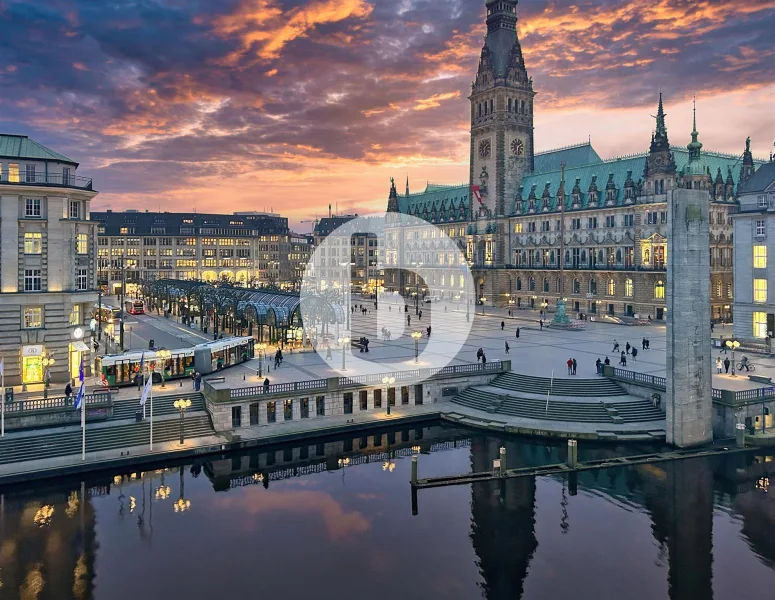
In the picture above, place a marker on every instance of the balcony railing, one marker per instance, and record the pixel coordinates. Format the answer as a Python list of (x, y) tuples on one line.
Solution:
[(572, 267), (50, 179)]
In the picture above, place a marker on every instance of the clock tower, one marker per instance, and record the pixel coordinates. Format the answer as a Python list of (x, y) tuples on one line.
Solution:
[(501, 116)]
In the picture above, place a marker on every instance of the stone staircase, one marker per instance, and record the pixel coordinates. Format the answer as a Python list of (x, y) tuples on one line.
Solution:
[(162, 405), (528, 384), (108, 436)]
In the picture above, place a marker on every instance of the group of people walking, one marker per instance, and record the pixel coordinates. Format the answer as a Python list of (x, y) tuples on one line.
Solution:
[(629, 350)]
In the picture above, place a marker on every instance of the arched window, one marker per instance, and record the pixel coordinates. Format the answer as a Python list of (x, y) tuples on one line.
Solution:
[(523, 107), (492, 106), (546, 285), (618, 257), (576, 286), (480, 109), (509, 104), (628, 288), (583, 256), (551, 257), (593, 286), (462, 282), (567, 257), (531, 284), (600, 258), (611, 287), (659, 290), (519, 283)]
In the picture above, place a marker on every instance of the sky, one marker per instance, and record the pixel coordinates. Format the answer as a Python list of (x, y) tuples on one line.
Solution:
[(289, 105)]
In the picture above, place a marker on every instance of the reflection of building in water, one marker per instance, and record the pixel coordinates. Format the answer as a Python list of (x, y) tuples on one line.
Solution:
[(284, 462), (502, 521), (47, 546)]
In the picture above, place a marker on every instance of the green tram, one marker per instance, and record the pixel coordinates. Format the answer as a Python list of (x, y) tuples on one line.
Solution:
[(122, 369)]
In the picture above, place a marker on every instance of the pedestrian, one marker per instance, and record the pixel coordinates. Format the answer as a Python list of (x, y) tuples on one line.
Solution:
[(634, 353), (479, 354), (193, 380), (726, 365), (328, 352), (429, 330), (408, 320), (648, 344), (502, 325), (570, 366), (627, 347), (68, 392), (711, 326), (607, 361), (623, 359), (643, 344), (718, 364), (419, 316), (198, 381), (616, 346), (574, 366), (484, 359), (542, 325), (266, 385), (599, 366), (517, 332), (507, 347)]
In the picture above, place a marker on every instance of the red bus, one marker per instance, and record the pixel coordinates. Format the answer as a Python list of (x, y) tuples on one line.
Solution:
[(134, 307)]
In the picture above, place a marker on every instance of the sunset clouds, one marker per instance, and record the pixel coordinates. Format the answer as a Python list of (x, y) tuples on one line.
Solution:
[(294, 104)]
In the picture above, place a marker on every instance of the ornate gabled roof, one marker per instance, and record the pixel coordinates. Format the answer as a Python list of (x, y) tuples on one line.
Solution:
[(434, 196)]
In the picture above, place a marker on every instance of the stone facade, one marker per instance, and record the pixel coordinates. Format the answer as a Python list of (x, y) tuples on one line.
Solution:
[(689, 400), (48, 270)]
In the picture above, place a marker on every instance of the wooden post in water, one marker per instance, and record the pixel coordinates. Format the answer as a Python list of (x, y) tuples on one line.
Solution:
[(573, 454), (740, 435), (414, 471)]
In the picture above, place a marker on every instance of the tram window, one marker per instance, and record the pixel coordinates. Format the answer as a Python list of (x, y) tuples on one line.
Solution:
[(110, 371)]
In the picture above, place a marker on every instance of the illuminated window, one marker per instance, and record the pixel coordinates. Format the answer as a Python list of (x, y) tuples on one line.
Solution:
[(124, 230), (760, 325), (760, 290), (33, 317), (760, 257), (628, 288), (659, 290), (82, 244), (75, 314), (13, 173), (517, 227), (611, 287), (32, 243)]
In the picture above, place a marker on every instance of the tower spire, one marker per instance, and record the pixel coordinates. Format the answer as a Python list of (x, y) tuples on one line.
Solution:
[(695, 146), (407, 186)]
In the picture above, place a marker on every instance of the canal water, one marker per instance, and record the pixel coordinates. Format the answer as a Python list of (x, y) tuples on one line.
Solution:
[(334, 520)]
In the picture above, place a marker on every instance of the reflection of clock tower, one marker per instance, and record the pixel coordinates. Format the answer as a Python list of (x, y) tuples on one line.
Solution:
[(501, 114)]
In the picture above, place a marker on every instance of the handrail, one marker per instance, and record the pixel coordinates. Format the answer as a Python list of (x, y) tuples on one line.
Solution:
[(24, 405), (39, 178)]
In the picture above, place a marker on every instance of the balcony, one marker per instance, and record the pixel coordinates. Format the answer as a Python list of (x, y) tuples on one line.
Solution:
[(50, 180), (572, 267)]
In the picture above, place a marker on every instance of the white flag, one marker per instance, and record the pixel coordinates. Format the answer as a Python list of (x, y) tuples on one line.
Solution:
[(2, 366), (146, 389)]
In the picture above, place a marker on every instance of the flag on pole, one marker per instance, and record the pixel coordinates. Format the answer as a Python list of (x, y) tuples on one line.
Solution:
[(80, 370), (142, 362), (2, 366), (79, 396), (146, 389), (477, 193)]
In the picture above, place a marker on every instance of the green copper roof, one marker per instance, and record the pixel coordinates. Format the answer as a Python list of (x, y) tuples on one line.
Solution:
[(20, 146), (572, 156), (439, 202)]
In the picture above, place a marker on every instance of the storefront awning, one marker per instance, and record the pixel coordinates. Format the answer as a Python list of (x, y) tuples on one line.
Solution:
[(79, 346)]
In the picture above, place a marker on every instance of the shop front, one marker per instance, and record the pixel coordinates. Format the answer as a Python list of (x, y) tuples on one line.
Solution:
[(77, 350), (32, 363)]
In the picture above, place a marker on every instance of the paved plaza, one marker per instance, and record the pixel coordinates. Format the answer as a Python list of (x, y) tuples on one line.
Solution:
[(541, 352)]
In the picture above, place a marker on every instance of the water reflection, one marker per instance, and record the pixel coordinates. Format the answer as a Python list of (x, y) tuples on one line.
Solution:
[(690, 530)]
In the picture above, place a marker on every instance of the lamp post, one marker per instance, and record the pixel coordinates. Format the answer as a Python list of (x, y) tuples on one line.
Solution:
[(388, 381), (182, 405), (259, 349), (47, 361), (416, 335), (162, 356), (733, 345), (344, 341), (99, 315)]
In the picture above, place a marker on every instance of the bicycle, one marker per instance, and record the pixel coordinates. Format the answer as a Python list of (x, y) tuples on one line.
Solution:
[(741, 366)]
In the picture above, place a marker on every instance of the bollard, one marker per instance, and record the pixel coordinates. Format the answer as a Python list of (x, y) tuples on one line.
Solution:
[(414, 470), (740, 435), (181, 383), (503, 461), (573, 456)]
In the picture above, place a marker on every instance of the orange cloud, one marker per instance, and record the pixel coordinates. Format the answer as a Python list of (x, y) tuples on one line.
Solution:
[(80, 66), (435, 100)]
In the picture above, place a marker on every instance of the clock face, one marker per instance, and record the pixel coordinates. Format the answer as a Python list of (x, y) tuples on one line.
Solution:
[(484, 149), (517, 147)]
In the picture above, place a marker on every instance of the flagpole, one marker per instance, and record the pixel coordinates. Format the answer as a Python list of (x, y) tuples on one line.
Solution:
[(151, 392), (83, 427)]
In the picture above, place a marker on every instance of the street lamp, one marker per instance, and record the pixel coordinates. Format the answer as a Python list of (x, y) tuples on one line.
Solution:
[(47, 361), (388, 381), (163, 356), (733, 345), (344, 341), (182, 404), (416, 335), (259, 349)]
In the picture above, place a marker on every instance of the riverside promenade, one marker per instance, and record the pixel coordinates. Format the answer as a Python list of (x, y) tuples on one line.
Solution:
[(538, 353)]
